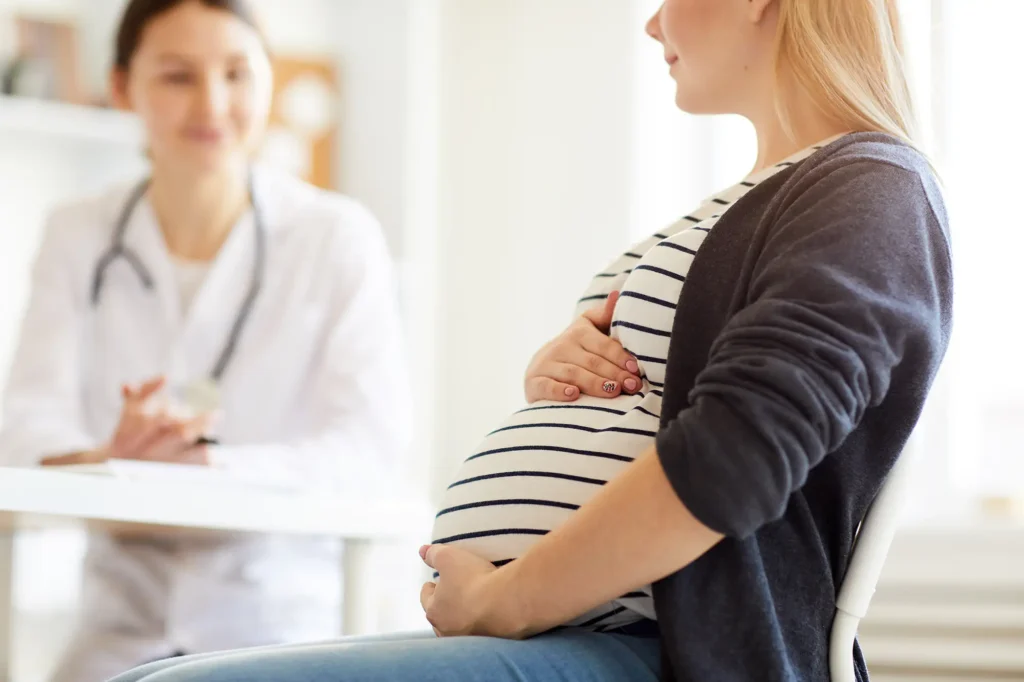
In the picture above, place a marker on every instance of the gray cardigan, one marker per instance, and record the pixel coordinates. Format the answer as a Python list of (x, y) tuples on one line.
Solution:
[(811, 326)]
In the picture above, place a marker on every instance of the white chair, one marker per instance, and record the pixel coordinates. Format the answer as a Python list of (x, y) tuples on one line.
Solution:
[(869, 553)]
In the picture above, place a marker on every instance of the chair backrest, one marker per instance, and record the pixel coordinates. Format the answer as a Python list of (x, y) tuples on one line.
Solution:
[(869, 553)]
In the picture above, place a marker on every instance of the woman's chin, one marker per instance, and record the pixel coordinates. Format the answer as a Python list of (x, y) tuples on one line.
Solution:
[(692, 101), (213, 161)]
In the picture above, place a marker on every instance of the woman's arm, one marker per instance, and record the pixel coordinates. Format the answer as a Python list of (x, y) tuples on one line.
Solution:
[(42, 410), (602, 552)]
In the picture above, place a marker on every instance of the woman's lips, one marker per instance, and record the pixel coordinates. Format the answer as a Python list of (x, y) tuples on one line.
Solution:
[(205, 135)]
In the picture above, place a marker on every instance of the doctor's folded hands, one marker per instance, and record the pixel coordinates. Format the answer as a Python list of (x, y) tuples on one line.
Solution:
[(149, 429)]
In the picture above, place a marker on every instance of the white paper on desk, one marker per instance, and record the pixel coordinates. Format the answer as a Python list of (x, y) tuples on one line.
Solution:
[(163, 472)]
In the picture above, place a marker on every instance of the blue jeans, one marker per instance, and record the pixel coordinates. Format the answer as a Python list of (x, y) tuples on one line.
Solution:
[(564, 656)]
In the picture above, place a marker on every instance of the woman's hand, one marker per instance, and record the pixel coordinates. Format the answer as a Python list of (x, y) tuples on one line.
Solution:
[(147, 431), (155, 438), (584, 359), (469, 597), (141, 426)]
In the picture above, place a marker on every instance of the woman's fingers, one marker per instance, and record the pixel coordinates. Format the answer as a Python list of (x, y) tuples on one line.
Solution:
[(151, 429), (426, 594), (160, 437), (601, 316), (144, 392), (584, 360), (141, 412), (197, 455), (196, 427), (167, 445), (568, 365), (598, 365), (144, 433), (588, 348), (589, 383), (594, 341), (545, 388)]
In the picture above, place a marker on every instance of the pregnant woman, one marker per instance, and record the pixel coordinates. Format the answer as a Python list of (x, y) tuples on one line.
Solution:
[(682, 504)]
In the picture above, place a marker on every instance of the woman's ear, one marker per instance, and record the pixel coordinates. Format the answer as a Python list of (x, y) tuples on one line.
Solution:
[(759, 9), (119, 89)]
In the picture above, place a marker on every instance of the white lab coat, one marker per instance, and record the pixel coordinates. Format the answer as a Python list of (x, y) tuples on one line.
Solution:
[(316, 393)]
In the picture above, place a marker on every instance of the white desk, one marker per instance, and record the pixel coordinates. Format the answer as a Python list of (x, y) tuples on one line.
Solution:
[(40, 498)]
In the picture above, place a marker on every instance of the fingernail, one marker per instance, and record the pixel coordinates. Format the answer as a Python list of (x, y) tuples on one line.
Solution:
[(630, 384), (631, 366), (608, 387), (423, 551), (570, 391)]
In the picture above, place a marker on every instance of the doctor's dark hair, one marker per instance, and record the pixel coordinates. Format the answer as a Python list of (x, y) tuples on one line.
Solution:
[(139, 13)]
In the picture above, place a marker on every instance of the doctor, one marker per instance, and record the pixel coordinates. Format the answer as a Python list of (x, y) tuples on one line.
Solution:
[(263, 303)]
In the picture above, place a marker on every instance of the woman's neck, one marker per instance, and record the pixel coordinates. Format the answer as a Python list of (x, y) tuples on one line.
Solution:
[(196, 213), (807, 122)]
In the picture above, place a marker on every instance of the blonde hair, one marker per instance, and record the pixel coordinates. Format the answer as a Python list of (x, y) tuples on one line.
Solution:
[(848, 54)]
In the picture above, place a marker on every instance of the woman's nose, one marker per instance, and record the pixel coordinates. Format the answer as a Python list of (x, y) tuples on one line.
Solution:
[(215, 96), (653, 27)]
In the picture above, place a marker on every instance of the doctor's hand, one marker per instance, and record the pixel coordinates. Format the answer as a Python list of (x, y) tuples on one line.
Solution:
[(583, 359), (148, 430), (143, 431), (470, 597)]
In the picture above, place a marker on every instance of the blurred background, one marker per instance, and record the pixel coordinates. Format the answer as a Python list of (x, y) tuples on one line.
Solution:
[(545, 131)]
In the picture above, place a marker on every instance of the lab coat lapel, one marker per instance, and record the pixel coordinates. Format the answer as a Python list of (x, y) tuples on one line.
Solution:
[(143, 236), (207, 324)]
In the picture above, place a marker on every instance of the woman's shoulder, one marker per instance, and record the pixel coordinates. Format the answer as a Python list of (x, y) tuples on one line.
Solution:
[(868, 161), (875, 147), (874, 176), (301, 212), (296, 204), (90, 215), (306, 211)]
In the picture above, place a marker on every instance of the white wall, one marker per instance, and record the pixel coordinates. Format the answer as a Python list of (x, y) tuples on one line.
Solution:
[(369, 41), (535, 189)]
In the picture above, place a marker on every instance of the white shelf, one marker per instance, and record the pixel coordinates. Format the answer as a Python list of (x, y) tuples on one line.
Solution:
[(23, 115)]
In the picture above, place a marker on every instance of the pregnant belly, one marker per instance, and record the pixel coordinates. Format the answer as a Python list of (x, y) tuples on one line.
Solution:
[(536, 469)]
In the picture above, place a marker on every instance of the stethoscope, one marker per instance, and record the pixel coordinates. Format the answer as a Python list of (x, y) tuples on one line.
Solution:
[(208, 390)]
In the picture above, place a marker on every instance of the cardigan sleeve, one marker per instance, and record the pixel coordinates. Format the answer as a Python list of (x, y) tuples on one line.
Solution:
[(854, 279)]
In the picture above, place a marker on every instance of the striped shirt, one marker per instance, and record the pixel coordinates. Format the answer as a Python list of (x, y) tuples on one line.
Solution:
[(546, 460)]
